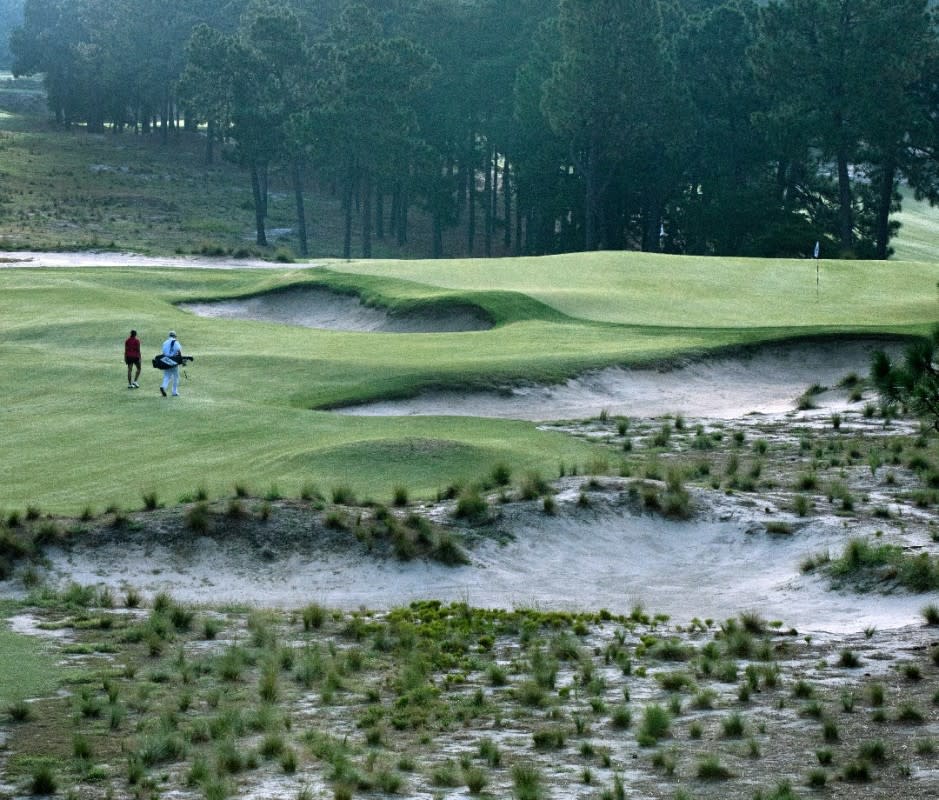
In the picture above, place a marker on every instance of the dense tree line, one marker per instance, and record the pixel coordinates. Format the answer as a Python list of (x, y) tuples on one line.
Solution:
[(729, 127), (11, 17)]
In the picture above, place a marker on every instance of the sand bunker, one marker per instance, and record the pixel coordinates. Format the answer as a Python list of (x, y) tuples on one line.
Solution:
[(766, 381), (314, 307), (63, 260), (601, 557)]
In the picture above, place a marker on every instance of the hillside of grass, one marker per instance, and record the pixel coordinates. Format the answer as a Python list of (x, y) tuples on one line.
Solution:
[(69, 190), (74, 436), (918, 238), (694, 292)]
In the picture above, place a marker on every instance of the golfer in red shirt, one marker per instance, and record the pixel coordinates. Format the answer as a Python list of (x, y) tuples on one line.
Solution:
[(132, 358)]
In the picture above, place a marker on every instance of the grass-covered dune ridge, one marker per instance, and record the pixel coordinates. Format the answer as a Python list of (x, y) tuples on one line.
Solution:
[(688, 291), (74, 436)]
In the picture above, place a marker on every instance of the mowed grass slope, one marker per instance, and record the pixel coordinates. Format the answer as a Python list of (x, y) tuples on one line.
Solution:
[(74, 436), (694, 292)]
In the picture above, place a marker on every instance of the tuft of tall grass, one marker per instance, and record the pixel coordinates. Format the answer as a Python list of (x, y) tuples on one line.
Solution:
[(710, 769), (527, 782), (655, 725), (472, 506)]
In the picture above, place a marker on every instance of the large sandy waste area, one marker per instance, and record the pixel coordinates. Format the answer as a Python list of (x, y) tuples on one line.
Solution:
[(606, 556)]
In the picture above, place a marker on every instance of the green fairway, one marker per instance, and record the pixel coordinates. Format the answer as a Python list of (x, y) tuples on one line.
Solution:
[(254, 413)]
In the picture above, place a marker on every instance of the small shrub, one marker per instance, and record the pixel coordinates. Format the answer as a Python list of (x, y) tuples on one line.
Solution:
[(475, 779), (817, 778), (909, 713), (343, 495), (197, 518), (849, 659), (874, 751), (43, 780), (733, 726), (931, 614), (527, 782), (711, 769), (471, 506), (20, 711), (621, 717), (150, 501), (655, 725), (314, 615)]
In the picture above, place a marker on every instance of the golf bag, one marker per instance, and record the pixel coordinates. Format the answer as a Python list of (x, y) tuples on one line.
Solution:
[(161, 361)]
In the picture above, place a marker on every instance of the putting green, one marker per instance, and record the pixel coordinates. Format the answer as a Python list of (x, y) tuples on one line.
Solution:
[(693, 292), (74, 436)]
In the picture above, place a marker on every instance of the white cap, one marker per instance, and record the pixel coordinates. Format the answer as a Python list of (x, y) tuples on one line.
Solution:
[(172, 334)]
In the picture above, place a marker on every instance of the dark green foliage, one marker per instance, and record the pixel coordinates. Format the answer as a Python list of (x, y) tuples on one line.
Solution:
[(913, 383)]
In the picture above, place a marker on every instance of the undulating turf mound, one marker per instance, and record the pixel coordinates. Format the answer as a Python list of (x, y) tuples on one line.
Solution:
[(319, 307)]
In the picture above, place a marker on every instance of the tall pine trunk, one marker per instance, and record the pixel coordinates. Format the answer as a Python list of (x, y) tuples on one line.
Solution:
[(401, 216), (347, 208), (845, 216), (884, 204), (367, 215), (471, 208), (210, 144), (259, 207), (297, 174), (591, 195), (488, 165), (507, 201), (379, 214)]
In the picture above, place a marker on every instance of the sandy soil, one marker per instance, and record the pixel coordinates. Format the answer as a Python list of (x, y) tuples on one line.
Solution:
[(609, 555), (322, 308), (767, 381), (86, 258)]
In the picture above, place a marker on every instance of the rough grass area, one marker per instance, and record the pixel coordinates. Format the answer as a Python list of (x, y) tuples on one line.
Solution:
[(422, 699), (27, 664), (80, 191)]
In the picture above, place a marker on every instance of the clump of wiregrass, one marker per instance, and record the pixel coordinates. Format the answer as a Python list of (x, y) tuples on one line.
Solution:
[(527, 781), (930, 613), (864, 560), (399, 496), (533, 486), (655, 725), (676, 500), (342, 495), (198, 518), (20, 711), (710, 769), (43, 780), (151, 501), (472, 506)]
